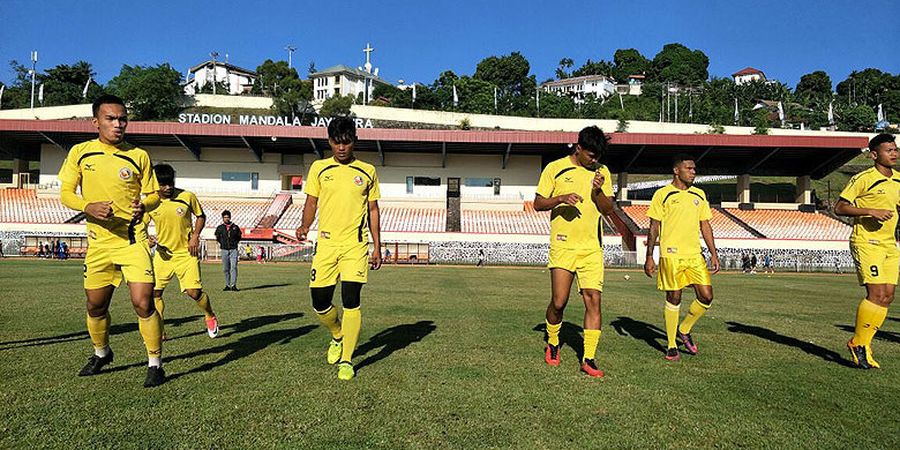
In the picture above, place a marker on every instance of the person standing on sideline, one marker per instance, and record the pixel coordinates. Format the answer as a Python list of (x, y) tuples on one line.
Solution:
[(228, 235), (345, 192)]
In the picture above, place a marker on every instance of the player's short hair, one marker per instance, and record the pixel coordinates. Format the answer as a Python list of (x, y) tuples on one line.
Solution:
[(226, 213), (106, 99), (342, 130), (680, 158), (878, 140), (592, 139), (165, 174)]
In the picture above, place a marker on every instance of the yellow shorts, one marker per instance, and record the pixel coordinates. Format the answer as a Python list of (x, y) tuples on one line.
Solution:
[(876, 263), (674, 274), (347, 262), (106, 266), (181, 265), (586, 264)]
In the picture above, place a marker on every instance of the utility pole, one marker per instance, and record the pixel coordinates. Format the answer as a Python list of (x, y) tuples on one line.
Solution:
[(214, 55), (290, 49)]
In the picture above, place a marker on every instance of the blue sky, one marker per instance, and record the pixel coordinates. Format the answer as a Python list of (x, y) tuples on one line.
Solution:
[(415, 41)]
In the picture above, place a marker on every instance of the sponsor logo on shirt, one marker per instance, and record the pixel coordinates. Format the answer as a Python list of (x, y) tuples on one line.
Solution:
[(568, 180), (89, 168), (327, 178), (696, 202), (325, 234), (672, 250), (561, 237)]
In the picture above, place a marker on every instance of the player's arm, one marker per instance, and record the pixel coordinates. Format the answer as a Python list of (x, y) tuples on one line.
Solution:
[(649, 264), (707, 233), (375, 229), (194, 242), (603, 202), (845, 208), (546, 204), (309, 215)]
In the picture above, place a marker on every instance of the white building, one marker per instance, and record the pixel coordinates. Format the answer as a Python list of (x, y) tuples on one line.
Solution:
[(342, 80), (239, 80), (747, 75), (579, 87)]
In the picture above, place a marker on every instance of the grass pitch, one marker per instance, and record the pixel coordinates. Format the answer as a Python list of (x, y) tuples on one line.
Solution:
[(449, 357)]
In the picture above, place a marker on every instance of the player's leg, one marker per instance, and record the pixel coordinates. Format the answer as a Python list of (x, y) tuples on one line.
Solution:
[(323, 277), (187, 269), (590, 283), (877, 269), (698, 276), (162, 275), (100, 279), (560, 286), (353, 265), (671, 279), (137, 267)]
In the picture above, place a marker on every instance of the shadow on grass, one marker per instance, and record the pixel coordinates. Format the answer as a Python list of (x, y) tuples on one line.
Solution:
[(806, 347), (240, 348), (642, 331), (882, 335), (569, 335), (393, 339), (115, 329), (266, 286)]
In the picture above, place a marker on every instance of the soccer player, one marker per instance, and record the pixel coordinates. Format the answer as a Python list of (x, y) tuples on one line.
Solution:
[(679, 213), (577, 189), (345, 191), (178, 244), (112, 175), (871, 198)]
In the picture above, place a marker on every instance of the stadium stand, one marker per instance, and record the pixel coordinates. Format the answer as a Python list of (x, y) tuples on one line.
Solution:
[(418, 220), (787, 224), (722, 225), (245, 213), (276, 209), (24, 206)]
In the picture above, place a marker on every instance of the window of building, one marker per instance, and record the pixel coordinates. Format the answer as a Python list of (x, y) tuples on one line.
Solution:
[(426, 181), (478, 182), (235, 176)]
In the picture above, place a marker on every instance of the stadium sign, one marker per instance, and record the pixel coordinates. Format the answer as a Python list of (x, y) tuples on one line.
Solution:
[(253, 119)]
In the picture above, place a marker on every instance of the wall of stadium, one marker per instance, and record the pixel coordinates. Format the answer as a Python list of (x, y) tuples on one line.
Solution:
[(214, 173)]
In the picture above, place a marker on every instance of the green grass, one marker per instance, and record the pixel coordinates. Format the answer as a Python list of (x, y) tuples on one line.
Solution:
[(449, 357)]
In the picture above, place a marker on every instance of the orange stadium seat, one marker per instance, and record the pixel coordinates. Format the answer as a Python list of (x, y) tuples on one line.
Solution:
[(785, 224), (722, 225)]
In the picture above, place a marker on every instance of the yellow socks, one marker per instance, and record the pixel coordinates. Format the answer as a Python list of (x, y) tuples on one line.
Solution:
[(695, 313), (869, 318), (352, 324), (553, 333), (672, 316), (203, 303), (151, 330), (591, 339), (329, 319), (98, 328)]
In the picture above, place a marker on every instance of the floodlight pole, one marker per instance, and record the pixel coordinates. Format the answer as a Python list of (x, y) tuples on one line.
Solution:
[(34, 60), (290, 49), (214, 56)]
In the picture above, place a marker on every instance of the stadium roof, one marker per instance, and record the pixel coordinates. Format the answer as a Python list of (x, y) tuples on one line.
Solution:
[(648, 153)]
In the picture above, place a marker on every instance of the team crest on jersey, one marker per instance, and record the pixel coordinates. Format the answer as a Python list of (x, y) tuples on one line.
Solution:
[(180, 211), (696, 202), (358, 180), (125, 173)]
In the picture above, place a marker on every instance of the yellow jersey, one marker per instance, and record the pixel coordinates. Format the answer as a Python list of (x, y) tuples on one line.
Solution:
[(871, 189), (119, 174), (679, 213), (576, 227), (173, 219), (344, 192)]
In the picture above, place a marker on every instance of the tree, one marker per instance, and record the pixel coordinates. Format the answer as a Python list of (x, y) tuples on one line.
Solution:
[(629, 62), (814, 86), (290, 95), (272, 74), (18, 94), (857, 118), (336, 106), (222, 88), (516, 89), (589, 67), (64, 84), (152, 93), (562, 71), (679, 64)]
